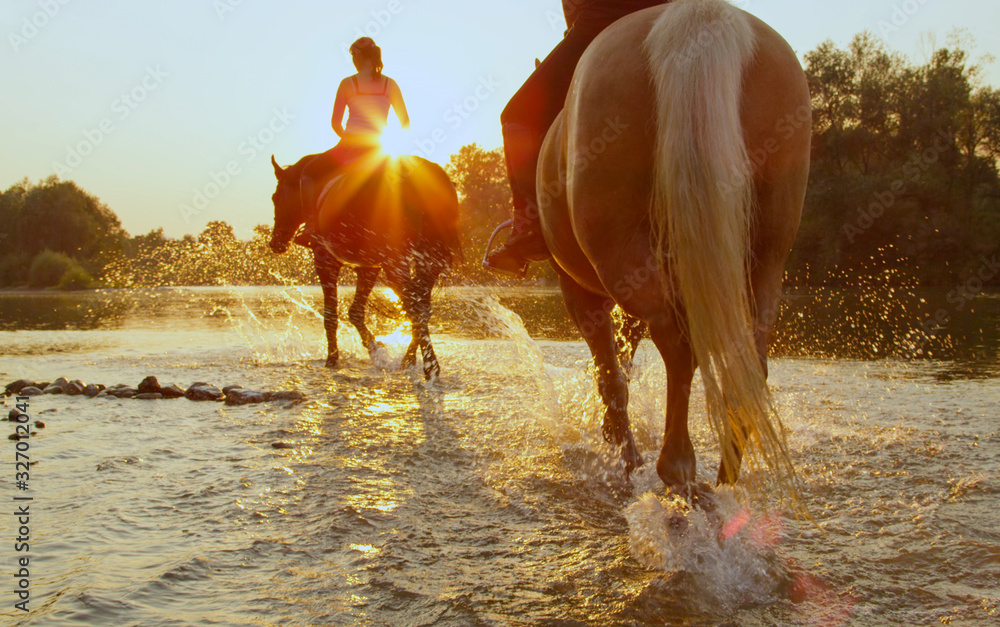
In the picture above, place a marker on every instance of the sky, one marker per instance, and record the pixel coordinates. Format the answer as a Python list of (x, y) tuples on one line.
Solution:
[(169, 111)]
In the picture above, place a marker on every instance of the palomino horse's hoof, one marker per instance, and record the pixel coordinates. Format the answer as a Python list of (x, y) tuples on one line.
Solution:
[(332, 359), (698, 495), (631, 456)]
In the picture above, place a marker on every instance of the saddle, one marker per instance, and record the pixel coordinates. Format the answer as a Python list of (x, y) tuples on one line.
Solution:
[(369, 198)]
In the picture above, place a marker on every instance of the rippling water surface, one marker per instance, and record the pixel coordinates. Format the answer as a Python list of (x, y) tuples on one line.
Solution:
[(487, 497)]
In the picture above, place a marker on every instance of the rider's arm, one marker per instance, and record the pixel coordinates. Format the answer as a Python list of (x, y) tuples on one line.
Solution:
[(339, 107), (396, 100)]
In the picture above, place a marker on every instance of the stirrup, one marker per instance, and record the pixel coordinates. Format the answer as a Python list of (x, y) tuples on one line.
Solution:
[(521, 273), (509, 224)]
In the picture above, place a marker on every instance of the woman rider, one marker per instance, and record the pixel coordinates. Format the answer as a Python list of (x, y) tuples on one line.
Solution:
[(366, 97), (528, 115)]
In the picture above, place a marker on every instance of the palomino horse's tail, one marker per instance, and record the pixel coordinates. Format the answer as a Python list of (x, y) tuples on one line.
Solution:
[(701, 215)]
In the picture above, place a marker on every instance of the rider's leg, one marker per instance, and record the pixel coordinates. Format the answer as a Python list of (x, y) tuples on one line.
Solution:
[(526, 120), (521, 147)]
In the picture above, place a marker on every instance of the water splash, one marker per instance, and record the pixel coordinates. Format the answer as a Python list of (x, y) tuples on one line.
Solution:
[(274, 331), (725, 559)]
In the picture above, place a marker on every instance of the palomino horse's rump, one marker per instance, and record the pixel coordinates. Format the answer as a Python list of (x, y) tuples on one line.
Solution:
[(680, 227)]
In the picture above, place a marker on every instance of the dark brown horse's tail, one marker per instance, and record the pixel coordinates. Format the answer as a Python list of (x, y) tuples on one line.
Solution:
[(439, 200)]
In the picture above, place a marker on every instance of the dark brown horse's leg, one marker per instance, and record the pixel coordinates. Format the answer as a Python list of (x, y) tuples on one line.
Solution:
[(414, 291), (363, 289), (328, 269), (676, 465), (592, 315)]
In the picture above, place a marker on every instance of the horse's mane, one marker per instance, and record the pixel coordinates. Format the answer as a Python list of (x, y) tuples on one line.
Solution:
[(294, 171)]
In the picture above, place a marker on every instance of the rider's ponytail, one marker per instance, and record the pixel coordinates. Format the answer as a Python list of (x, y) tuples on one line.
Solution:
[(365, 48)]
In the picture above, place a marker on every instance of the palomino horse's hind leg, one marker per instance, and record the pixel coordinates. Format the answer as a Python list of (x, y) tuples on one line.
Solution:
[(676, 465), (592, 315), (765, 282), (630, 333), (328, 269), (363, 289)]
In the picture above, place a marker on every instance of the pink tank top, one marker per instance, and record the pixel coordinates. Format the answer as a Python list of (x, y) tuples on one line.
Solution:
[(367, 114)]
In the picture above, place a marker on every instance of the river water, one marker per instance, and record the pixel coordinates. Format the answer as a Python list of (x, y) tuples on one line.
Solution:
[(488, 497)]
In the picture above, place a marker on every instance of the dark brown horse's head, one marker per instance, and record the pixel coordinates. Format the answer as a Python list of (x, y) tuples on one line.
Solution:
[(287, 199)]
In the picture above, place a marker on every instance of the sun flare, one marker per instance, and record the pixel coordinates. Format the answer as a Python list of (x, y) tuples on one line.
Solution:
[(396, 142)]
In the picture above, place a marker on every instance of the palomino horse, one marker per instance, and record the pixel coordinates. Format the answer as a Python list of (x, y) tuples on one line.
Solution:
[(396, 215), (672, 185)]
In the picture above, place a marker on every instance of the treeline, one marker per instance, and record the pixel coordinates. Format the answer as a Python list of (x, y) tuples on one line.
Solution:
[(904, 188), (904, 180), (54, 234)]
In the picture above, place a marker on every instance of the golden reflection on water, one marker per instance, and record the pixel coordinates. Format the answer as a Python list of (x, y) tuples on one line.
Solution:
[(399, 337), (310, 422), (367, 549), (384, 420), (378, 493), (390, 295)]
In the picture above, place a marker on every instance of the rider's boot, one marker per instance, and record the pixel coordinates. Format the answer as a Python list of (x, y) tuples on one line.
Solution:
[(525, 243)]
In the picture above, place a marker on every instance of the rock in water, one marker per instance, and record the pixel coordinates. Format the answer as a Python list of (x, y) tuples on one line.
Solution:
[(286, 395), (172, 391), (75, 387), (149, 385), (240, 396), (93, 389), (149, 396), (30, 391), (203, 392), (17, 386)]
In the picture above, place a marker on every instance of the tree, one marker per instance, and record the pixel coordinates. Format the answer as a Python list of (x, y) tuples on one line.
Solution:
[(904, 171), (58, 216), (480, 176)]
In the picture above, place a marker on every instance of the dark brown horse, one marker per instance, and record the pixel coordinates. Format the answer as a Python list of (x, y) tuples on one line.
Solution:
[(397, 216), (672, 186)]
